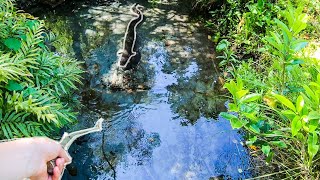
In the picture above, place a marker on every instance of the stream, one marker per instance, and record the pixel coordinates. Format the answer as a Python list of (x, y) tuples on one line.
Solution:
[(165, 124)]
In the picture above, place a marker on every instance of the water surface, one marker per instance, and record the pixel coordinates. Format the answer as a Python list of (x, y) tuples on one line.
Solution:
[(165, 124)]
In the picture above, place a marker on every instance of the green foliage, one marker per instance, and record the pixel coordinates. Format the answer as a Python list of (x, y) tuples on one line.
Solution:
[(242, 23), (227, 54), (33, 80), (276, 101), (284, 43)]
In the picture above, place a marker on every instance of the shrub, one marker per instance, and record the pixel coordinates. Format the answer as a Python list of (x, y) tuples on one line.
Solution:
[(33, 80), (281, 115)]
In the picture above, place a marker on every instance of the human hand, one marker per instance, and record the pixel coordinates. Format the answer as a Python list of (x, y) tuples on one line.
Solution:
[(28, 157), (47, 150)]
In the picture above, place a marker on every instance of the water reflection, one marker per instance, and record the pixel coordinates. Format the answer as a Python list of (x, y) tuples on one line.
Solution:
[(169, 131)]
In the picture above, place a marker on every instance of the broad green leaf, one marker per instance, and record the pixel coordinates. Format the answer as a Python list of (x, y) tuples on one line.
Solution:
[(284, 28), (299, 103), (237, 123), (315, 85), (274, 134), (310, 93), (241, 93), (266, 150), (239, 83), (296, 125), (254, 128), (250, 97), (285, 101), (314, 115), (298, 44), (288, 113), (234, 121), (252, 116), (222, 45), (313, 146), (279, 144), (14, 86), (313, 124), (233, 107), (13, 43), (232, 87), (300, 23), (296, 61), (228, 116)]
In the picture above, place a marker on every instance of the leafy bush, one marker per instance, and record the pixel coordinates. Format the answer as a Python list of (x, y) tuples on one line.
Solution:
[(33, 80), (281, 116)]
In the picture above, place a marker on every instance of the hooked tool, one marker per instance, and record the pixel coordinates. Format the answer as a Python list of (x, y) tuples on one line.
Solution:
[(68, 138)]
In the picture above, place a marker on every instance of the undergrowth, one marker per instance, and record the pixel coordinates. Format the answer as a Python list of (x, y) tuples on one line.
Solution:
[(269, 52), (35, 83)]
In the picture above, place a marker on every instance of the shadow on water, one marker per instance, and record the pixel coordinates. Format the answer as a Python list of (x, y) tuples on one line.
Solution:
[(169, 130)]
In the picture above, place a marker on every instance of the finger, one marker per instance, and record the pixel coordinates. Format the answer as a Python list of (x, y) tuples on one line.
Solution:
[(60, 163), (56, 173), (65, 155)]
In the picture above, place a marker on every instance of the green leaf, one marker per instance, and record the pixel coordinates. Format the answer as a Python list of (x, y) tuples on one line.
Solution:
[(241, 93), (269, 158), (310, 93), (285, 30), (232, 87), (313, 147), (313, 125), (234, 121), (13, 43), (250, 98), (42, 45), (299, 103), (296, 125), (5, 132), (288, 113), (255, 129), (222, 45), (298, 44), (233, 107), (31, 23), (14, 86), (227, 116), (266, 150), (296, 61), (285, 101), (252, 140), (279, 144)]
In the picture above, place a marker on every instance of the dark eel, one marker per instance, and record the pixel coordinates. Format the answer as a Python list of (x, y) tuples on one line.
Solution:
[(129, 56)]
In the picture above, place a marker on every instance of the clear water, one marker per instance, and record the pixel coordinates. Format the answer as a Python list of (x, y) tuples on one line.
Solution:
[(166, 125)]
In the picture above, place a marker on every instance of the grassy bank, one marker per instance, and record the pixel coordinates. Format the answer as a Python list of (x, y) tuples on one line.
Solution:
[(269, 52)]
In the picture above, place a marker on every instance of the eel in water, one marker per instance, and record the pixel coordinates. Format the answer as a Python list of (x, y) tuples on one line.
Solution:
[(129, 55)]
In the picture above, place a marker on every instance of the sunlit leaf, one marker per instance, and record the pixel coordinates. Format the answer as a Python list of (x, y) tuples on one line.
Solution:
[(299, 103), (250, 98), (296, 125), (266, 149), (313, 146)]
